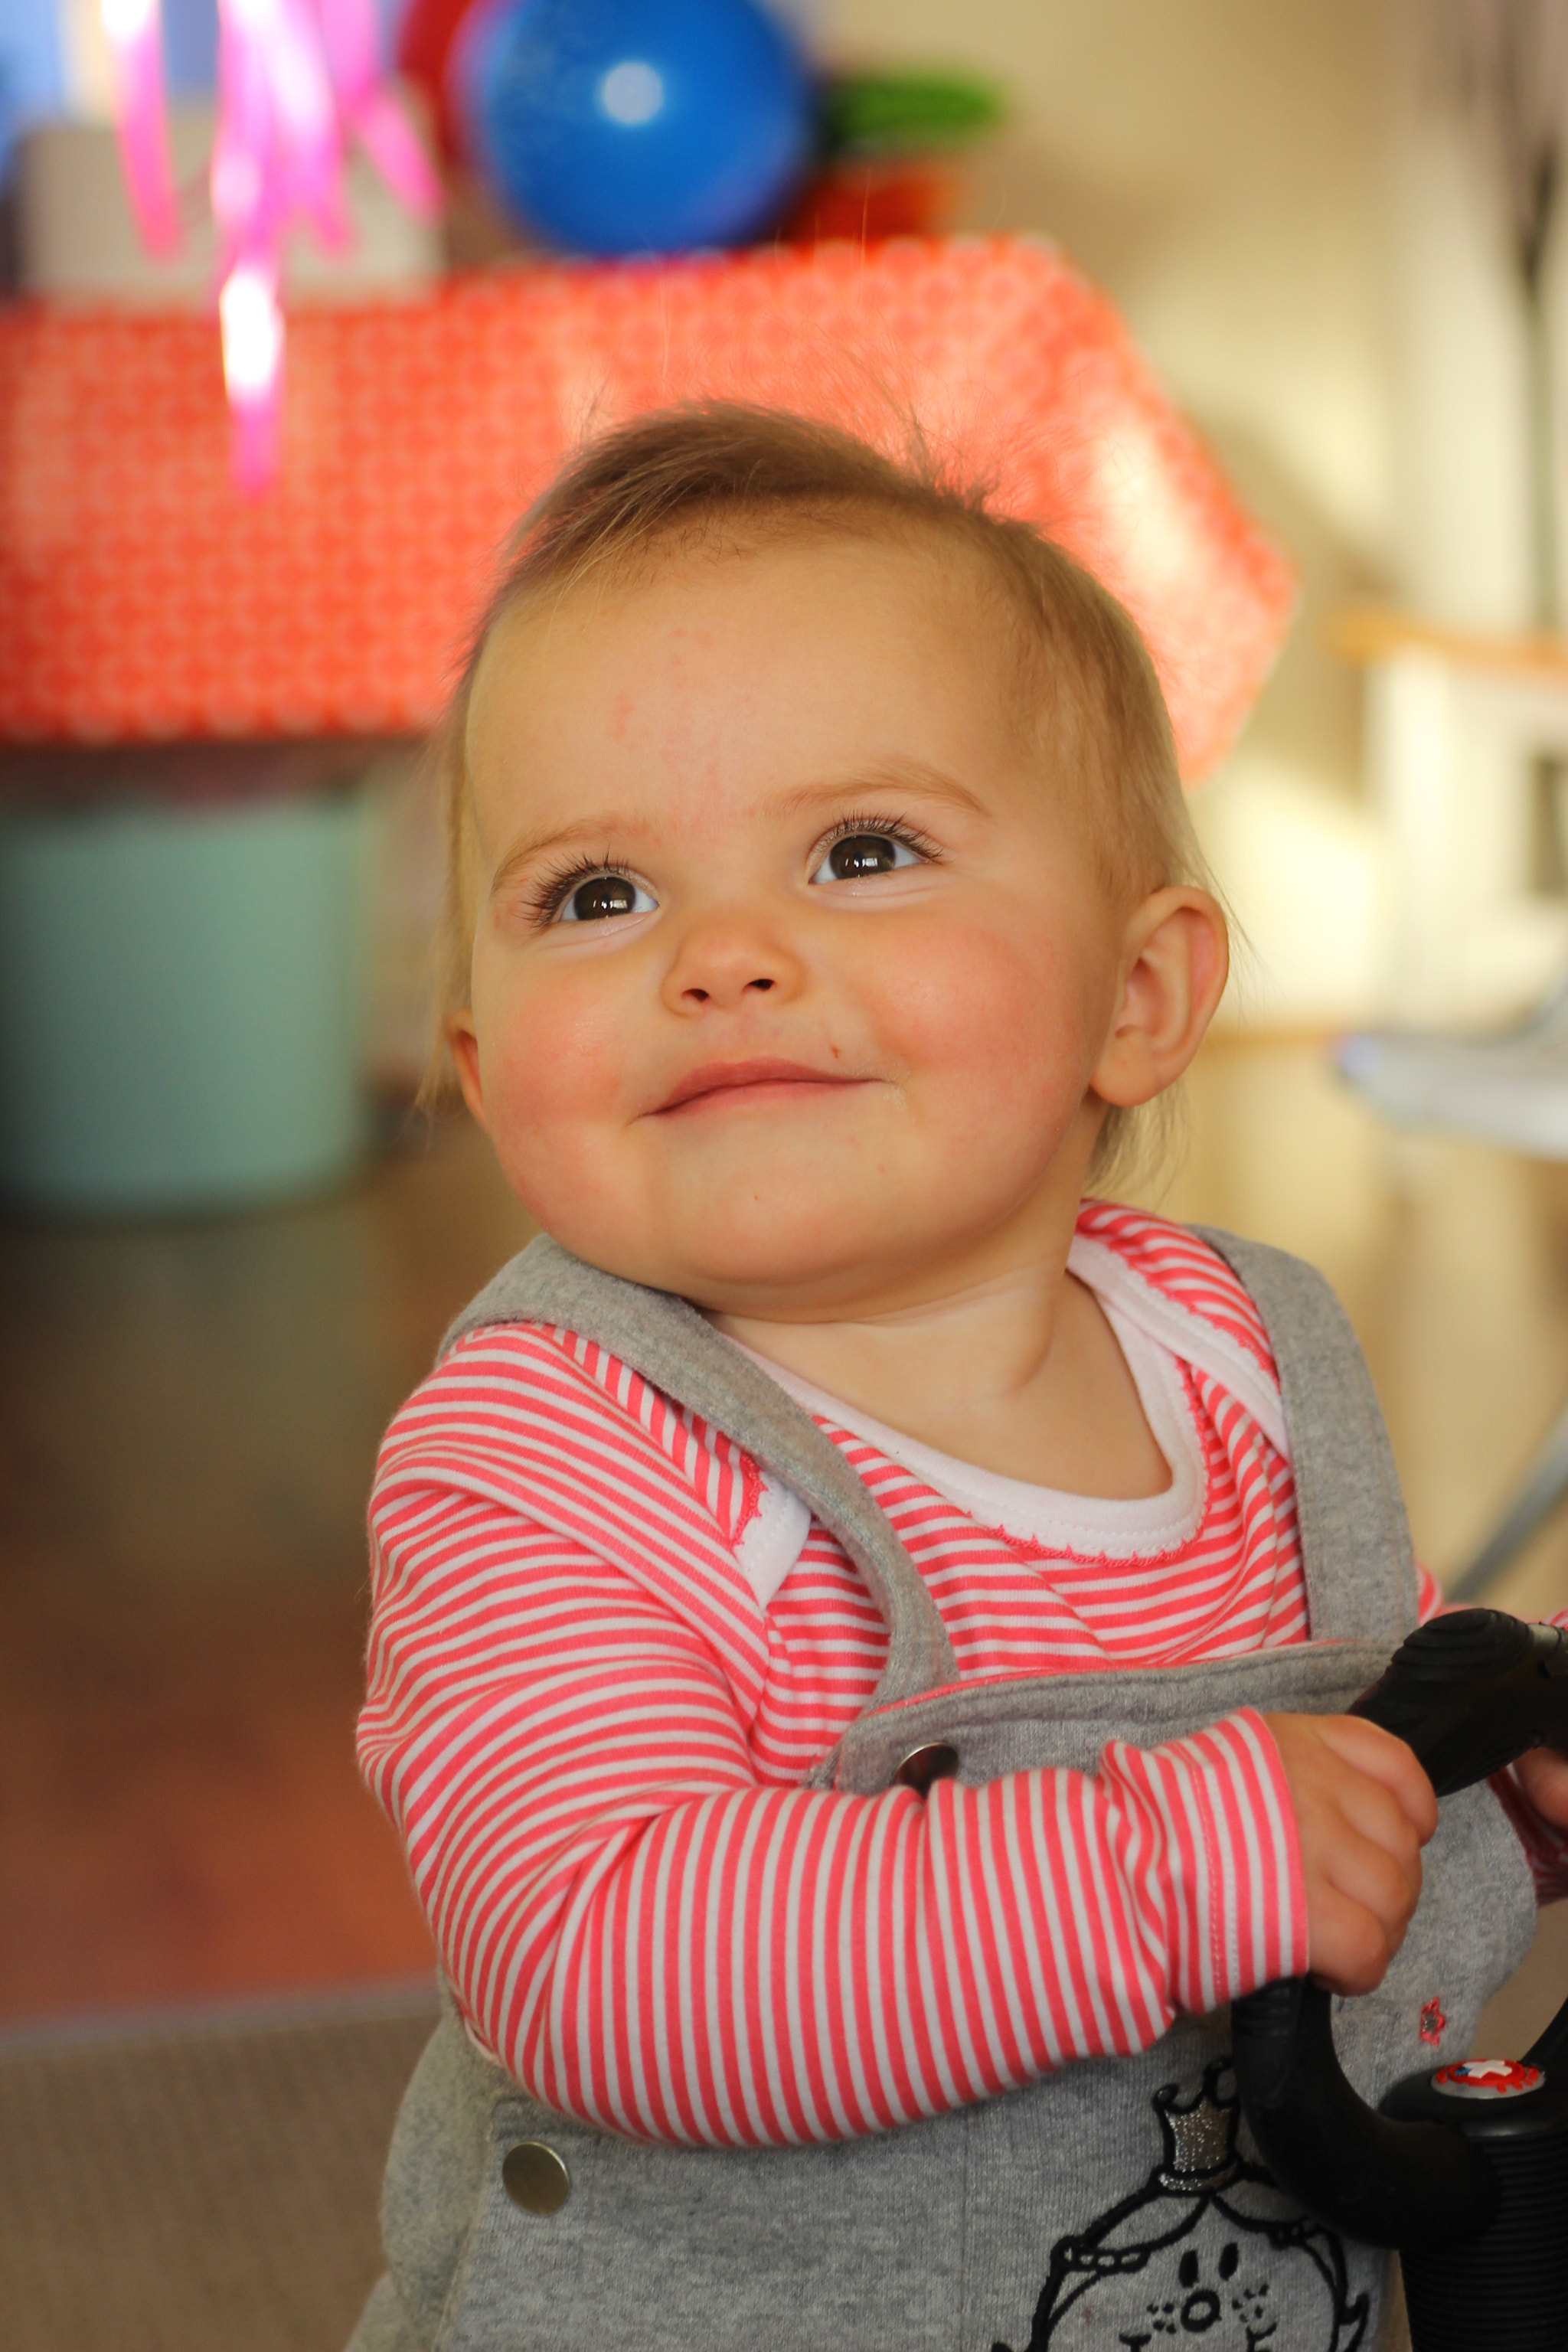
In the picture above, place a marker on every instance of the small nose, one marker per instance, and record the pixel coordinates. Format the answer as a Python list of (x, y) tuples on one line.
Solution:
[(760, 983), (726, 962)]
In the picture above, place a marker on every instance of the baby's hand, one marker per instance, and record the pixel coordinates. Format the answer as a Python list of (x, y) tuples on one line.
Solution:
[(1364, 1809), (1543, 1777)]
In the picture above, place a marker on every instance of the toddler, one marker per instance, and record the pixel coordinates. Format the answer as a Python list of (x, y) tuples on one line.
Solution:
[(861, 1628)]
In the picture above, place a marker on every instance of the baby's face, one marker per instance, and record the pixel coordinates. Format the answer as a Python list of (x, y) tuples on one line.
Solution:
[(791, 972)]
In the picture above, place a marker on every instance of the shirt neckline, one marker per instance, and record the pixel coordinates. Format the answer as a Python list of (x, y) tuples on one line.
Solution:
[(1095, 1526)]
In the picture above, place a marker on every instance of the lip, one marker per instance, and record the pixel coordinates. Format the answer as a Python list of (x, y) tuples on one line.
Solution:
[(714, 1079)]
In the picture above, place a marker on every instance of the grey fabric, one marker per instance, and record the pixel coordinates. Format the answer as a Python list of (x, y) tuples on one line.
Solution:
[(1345, 1478), (671, 1344), (1112, 2203), (383, 2324)]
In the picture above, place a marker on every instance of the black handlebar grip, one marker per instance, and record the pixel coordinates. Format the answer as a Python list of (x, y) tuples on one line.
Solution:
[(1411, 2185), (1472, 1692)]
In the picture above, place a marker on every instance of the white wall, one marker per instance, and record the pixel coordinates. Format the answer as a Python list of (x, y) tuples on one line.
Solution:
[(1221, 167)]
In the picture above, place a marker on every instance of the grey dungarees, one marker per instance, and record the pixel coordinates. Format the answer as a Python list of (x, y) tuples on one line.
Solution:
[(1112, 2204)]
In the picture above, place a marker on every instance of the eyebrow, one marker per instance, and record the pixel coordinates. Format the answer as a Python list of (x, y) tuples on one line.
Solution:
[(904, 776), (896, 776)]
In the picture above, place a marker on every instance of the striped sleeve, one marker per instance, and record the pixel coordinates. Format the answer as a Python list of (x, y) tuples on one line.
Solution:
[(1227, 1901), (652, 1938)]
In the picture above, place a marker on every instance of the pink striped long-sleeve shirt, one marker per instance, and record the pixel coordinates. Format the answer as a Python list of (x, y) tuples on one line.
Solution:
[(605, 1650)]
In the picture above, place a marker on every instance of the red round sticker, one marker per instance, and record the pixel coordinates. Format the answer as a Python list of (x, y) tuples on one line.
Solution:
[(1486, 2078)]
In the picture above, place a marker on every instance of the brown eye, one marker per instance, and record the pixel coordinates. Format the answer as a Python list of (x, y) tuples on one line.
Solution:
[(602, 896), (863, 853), (857, 854)]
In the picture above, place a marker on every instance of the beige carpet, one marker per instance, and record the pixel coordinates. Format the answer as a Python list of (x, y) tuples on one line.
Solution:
[(204, 2185)]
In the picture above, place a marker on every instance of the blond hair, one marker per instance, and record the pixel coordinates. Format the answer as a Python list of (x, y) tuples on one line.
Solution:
[(684, 476)]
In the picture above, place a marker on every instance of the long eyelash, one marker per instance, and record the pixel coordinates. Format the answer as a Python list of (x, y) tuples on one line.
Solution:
[(547, 896), (896, 828)]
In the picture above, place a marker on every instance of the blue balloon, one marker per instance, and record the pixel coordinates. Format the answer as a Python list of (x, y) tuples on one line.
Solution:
[(638, 126)]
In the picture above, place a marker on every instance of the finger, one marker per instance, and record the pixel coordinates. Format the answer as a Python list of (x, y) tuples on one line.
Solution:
[(1348, 1950), (1389, 1761), (1369, 1812), (1543, 1777), (1363, 1874)]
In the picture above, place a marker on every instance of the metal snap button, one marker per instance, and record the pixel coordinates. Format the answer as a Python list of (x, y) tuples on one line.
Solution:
[(937, 1760), (535, 2177)]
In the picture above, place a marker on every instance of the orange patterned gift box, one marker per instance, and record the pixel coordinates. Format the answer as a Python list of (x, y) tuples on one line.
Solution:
[(143, 598)]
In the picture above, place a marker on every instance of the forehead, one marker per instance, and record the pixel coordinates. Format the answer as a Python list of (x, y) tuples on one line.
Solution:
[(787, 649)]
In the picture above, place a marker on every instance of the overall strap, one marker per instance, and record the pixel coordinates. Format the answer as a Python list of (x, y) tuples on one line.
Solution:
[(671, 1344), (1355, 1541)]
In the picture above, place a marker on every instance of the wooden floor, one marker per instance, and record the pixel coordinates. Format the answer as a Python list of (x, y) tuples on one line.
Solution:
[(188, 1414)]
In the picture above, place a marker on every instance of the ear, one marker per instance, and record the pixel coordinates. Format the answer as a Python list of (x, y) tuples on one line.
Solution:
[(464, 1048), (1175, 957)]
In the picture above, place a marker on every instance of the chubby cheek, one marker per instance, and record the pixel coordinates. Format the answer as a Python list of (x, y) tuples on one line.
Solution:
[(999, 1030), (553, 1066)]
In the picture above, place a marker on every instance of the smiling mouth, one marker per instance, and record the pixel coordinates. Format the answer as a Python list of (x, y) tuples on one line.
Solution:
[(749, 1081)]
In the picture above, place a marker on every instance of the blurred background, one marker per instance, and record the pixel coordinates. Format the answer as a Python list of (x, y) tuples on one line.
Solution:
[(229, 1241)]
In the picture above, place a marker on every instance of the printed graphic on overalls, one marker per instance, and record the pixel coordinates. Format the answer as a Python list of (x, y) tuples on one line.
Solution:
[(1208, 2248)]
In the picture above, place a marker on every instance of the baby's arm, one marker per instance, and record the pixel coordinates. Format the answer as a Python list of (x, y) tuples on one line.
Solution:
[(651, 1938)]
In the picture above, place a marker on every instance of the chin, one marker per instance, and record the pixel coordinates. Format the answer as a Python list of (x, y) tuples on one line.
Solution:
[(731, 1260), (739, 1272)]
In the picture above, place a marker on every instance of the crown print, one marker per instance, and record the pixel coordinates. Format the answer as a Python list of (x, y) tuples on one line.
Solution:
[(1200, 2136)]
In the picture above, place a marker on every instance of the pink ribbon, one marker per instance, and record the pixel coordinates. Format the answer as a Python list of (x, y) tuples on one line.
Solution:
[(350, 34), (296, 78), (134, 34)]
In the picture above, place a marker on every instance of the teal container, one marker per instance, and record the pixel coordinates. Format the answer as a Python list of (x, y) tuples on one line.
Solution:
[(179, 1003)]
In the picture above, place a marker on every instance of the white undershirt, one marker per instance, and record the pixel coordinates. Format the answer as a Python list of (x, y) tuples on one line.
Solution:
[(1155, 1336)]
